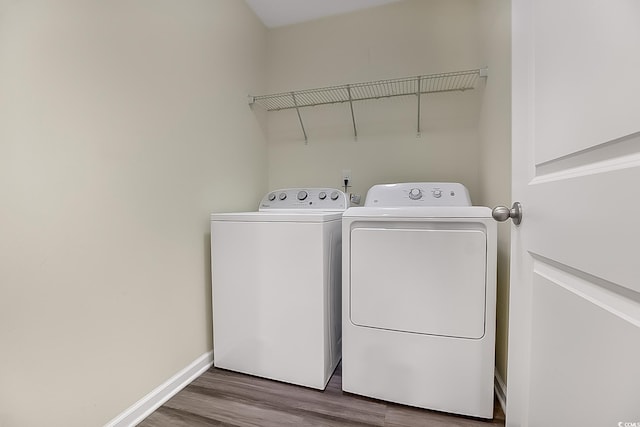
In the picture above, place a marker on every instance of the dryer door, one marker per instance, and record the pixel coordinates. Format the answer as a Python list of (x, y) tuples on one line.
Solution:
[(421, 280)]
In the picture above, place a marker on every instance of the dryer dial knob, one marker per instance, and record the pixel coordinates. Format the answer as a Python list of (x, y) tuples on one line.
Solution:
[(415, 194), (437, 194), (322, 195), (335, 195), (282, 196), (302, 195), (272, 197)]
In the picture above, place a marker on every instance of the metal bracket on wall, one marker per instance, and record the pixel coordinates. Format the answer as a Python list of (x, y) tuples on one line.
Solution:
[(295, 103), (353, 117), (418, 95), (418, 86)]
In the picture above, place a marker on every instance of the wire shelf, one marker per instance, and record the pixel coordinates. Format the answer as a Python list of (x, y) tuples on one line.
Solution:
[(416, 86)]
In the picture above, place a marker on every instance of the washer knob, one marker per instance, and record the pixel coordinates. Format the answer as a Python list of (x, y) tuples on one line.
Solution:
[(415, 194), (272, 197), (334, 195), (302, 195), (437, 193), (322, 195), (282, 196)]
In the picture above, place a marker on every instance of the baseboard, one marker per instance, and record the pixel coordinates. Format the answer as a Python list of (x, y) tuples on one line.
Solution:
[(501, 391), (152, 401)]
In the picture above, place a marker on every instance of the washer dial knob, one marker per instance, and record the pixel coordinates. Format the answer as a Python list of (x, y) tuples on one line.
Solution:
[(334, 195), (272, 197), (415, 194), (322, 195), (282, 196), (437, 193), (302, 195)]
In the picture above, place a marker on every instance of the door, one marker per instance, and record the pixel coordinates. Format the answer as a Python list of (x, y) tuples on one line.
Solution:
[(574, 343)]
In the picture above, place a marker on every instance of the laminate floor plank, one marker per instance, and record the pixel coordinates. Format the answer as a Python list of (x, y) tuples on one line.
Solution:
[(303, 401), (241, 414), (164, 417), (229, 399), (401, 416)]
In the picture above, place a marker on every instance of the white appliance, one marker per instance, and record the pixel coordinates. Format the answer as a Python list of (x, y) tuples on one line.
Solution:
[(276, 286), (419, 294)]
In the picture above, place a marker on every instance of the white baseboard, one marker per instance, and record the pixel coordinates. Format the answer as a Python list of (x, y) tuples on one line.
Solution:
[(165, 391), (501, 391)]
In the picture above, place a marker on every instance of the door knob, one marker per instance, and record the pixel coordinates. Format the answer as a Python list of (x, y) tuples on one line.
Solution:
[(503, 213)]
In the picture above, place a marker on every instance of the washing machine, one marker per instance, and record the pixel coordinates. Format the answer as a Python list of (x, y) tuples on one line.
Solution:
[(276, 286), (419, 295)]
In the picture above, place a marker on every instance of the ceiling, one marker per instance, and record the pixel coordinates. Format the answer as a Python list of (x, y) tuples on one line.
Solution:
[(277, 13)]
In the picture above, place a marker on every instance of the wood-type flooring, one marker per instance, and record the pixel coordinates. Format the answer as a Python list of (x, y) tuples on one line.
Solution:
[(223, 398)]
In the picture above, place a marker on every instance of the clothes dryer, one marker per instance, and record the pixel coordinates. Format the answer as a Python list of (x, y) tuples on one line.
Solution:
[(419, 294), (276, 291)]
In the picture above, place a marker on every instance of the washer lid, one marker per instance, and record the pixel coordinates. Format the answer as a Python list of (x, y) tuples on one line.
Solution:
[(293, 215), (421, 212)]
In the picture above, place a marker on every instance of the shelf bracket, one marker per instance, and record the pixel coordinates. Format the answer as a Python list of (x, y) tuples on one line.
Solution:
[(295, 102), (418, 94), (353, 117)]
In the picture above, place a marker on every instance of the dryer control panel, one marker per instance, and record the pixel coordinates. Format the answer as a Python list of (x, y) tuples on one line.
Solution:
[(324, 199), (409, 194)]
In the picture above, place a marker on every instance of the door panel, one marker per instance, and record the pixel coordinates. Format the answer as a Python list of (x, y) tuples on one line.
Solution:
[(584, 221), (585, 74), (575, 292), (575, 353)]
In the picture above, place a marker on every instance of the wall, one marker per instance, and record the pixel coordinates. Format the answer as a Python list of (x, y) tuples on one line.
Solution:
[(398, 40), (465, 136), (495, 159), (122, 126)]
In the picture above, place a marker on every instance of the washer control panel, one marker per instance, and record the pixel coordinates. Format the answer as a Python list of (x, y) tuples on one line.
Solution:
[(326, 199), (418, 194)]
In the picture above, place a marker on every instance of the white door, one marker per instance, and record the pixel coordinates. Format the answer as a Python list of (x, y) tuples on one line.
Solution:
[(574, 342)]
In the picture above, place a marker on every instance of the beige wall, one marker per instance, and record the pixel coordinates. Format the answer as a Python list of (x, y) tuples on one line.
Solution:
[(465, 136), (402, 39), (495, 159), (122, 125)]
